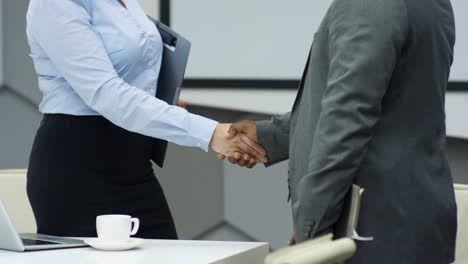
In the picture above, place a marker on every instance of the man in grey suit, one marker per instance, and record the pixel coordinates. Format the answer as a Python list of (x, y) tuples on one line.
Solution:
[(370, 111)]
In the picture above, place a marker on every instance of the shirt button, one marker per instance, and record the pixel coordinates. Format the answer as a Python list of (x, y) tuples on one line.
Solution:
[(199, 145)]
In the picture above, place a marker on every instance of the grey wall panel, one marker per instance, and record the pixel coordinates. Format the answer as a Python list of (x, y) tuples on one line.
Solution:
[(225, 232), (192, 181), (457, 151), (19, 73), (1, 44), (256, 202), (19, 121)]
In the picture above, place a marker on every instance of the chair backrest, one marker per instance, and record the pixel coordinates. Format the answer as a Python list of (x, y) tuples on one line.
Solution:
[(13, 194), (322, 250), (461, 195)]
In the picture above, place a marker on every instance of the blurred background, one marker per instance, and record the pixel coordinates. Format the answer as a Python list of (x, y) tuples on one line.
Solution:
[(247, 57)]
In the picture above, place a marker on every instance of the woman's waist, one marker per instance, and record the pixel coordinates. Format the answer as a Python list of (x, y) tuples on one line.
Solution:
[(63, 100), (60, 98), (92, 139)]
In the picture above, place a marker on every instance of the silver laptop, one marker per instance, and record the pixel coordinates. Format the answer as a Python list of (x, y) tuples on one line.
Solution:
[(11, 240)]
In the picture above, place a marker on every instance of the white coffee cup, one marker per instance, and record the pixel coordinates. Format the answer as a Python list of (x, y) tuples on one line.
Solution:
[(116, 227)]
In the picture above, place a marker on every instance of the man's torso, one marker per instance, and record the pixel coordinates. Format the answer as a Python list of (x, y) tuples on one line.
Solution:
[(405, 171)]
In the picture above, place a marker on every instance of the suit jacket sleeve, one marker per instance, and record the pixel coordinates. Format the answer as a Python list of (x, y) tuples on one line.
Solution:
[(365, 41), (273, 136)]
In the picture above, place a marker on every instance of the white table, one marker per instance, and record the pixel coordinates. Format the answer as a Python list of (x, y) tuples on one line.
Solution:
[(153, 251)]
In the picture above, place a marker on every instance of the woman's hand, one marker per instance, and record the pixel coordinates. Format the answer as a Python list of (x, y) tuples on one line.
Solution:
[(228, 145), (249, 128)]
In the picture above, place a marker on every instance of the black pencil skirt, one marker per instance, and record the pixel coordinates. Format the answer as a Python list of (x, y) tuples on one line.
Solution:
[(84, 166)]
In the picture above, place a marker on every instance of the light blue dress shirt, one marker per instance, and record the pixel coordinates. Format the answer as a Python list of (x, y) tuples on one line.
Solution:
[(94, 57)]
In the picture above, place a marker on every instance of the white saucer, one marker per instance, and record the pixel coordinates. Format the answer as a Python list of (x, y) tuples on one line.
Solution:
[(114, 245)]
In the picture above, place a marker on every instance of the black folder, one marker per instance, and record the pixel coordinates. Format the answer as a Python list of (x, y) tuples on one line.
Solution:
[(176, 51)]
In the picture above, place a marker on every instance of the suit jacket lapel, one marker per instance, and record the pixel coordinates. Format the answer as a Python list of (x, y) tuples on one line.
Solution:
[(301, 84)]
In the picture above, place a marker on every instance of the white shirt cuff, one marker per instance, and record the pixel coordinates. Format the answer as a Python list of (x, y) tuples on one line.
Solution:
[(201, 130)]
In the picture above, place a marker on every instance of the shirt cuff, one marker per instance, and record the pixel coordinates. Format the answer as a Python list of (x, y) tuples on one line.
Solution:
[(201, 130)]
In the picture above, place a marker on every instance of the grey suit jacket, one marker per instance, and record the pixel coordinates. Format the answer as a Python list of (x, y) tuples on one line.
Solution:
[(370, 111)]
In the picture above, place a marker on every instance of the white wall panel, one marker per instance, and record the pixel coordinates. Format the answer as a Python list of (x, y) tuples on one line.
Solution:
[(248, 39), (151, 7), (460, 64), (267, 38)]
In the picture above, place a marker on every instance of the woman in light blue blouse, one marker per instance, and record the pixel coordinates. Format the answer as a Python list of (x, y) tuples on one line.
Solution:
[(98, 63)]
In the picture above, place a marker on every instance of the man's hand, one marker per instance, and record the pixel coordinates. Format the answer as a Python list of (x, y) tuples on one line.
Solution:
[(182, 103), (292, 241), (248, 128), (235, 144)]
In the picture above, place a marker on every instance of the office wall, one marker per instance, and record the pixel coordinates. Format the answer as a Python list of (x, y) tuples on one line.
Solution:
[(460, 64), (151, 7), (19, 73), (267, 39), (260, 39), (18, 117), (19, 121)]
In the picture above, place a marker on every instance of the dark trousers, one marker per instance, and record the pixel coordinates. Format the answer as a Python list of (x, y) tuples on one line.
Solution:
[(84, 166)]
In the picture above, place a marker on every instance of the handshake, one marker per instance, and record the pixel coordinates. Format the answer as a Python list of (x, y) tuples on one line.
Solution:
[(239, 143)]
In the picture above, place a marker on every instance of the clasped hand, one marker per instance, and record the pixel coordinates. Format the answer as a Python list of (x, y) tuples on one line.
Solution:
[(239, 143), (236, 141)]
